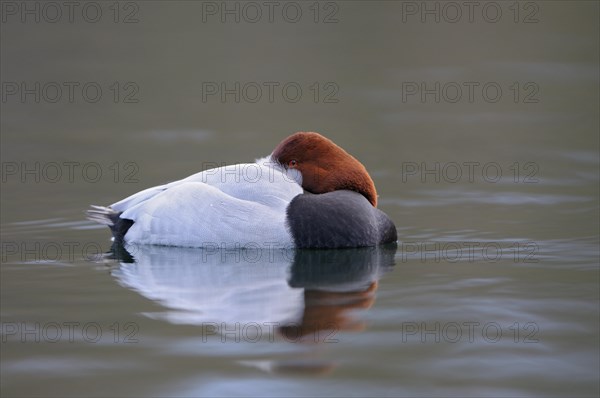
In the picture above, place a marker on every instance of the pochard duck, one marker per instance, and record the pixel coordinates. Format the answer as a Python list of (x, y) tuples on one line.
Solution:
[(308, 193)]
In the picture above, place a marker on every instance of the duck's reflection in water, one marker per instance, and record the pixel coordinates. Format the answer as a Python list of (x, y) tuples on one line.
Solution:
[(214, 287), (334, 282), (302, 296)]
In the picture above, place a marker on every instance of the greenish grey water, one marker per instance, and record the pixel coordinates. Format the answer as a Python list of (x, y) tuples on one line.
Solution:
[(495, 286)]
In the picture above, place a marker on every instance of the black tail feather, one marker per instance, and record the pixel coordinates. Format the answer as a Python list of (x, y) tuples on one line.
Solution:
[(107, 216)]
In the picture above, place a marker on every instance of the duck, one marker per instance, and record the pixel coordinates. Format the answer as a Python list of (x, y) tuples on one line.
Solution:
[(309, 193)]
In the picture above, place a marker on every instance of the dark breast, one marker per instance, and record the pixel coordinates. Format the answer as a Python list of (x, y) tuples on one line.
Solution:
[(338, 219)]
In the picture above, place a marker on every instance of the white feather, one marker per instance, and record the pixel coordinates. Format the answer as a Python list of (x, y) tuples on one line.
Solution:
[(241, 205)]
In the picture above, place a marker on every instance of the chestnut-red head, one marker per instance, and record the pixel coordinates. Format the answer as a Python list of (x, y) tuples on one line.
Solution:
[(324, 166)]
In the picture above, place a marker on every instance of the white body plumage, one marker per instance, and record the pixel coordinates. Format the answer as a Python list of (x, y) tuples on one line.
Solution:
[(246, 201)]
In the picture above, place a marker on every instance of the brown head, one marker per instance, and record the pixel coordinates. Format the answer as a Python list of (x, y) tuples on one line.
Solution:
[(324, 166)]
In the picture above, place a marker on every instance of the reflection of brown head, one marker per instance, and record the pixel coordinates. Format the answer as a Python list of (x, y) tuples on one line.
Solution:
[(325, 313)]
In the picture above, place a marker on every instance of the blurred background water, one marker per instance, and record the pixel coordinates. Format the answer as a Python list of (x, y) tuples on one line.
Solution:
[(479, 127)]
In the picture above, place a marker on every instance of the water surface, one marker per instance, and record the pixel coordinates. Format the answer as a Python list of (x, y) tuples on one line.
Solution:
[(492, 290)]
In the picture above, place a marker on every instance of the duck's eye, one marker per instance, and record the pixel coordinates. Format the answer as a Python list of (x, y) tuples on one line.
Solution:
[(292, 163)]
